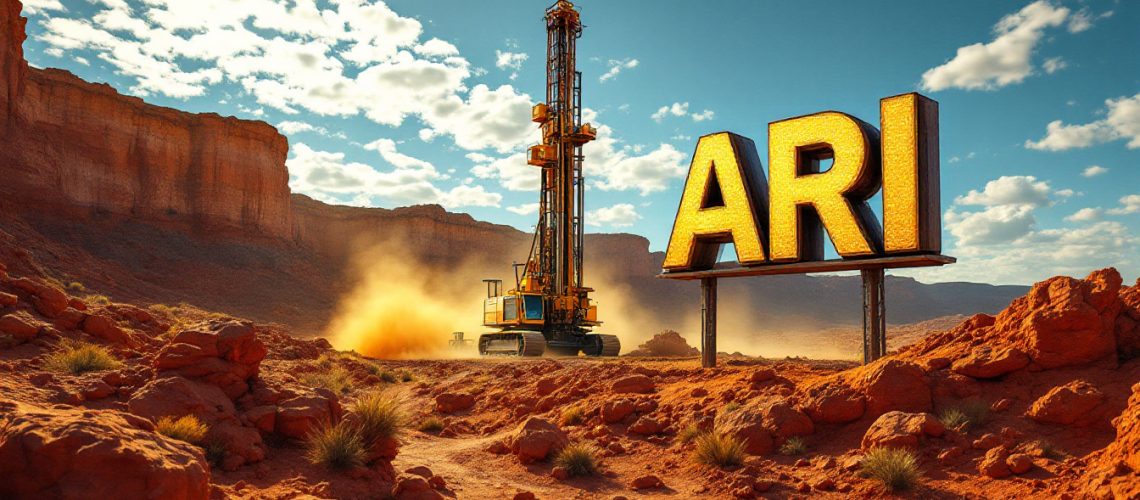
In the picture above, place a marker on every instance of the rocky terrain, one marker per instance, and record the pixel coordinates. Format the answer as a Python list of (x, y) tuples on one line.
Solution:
[(1048, 392), (163, 297)]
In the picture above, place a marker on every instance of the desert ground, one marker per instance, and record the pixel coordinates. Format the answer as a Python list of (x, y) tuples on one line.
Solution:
[(1045, 392)]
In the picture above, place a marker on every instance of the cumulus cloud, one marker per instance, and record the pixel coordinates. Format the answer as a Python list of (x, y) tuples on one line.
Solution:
[(616, 66), (612, 166), (1121, 121), (680, 109), (512, 172), (349, 58), (507, 60), (1009, 190), (1004, 60), (1054, 64), (1004, 243), (619, 215), (1128, 205), (524, 209), (329, 177), (1093, 171), (1087, 214)]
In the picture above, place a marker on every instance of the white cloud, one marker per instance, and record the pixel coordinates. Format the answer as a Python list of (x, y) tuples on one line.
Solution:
[(703, 115), (612, 168), (1094, 171), (995, 224), (512, 172), (1003, 61), (329, 177), (1122, 121), (1054, 64), (616, 67), (1128, 205), (437, 48), (1087, 214), (675, 109), (293, 127), (524, 209), (681, 109), (470, 196), (348, 59), (619, 215), (37, 6), (510, 60), (1009, 190)]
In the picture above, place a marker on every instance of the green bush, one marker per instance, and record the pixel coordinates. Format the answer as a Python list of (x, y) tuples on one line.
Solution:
[(719, 449), (378, 417), (185, 428), (895, 469), (578, 458), (81, 357), (337, 446), (795, 445)]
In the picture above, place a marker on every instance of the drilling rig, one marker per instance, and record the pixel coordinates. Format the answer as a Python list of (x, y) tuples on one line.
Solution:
[(549, 309)]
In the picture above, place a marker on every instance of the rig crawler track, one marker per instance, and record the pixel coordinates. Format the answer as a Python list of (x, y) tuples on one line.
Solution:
[(526, 344)]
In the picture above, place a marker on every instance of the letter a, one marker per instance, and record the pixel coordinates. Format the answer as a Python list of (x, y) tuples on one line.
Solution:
[(725, 201)]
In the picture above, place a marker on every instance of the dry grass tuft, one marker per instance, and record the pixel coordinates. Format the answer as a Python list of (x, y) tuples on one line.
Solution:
[(965, 416), (573, 415), (185, 428), (579, 458), (795, 445), (895, 469), (378, 417), (430, 424), (335, 378), (337, 446), (81, 357), (689, 433), (719, 449)]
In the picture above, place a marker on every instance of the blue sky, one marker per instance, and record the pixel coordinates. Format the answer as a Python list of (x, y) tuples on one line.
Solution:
[(427, 101)]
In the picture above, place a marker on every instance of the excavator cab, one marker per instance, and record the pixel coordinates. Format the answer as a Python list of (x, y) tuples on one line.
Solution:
[(513, 309)]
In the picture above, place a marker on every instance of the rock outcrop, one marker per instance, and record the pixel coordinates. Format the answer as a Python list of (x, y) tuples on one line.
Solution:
[(667, 343), (225, 354), (76, 453)]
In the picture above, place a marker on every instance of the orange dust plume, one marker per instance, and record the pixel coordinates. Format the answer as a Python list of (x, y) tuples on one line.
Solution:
[(402, 308)]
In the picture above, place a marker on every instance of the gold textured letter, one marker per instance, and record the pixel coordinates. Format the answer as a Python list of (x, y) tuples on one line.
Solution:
[(725, 201), (911, 206), (838, 196)]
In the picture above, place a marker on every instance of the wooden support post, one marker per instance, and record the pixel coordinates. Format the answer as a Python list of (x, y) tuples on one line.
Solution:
[(708, 322), (874, 315)]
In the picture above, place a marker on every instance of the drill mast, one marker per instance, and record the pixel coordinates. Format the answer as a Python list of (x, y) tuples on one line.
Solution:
[(549, 311), (555, 262)]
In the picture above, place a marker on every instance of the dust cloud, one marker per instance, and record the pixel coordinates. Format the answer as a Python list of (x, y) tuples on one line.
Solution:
[(404, 308)]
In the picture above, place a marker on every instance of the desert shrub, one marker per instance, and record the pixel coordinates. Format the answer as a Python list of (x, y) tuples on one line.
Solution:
[(896, 469), (967, 415), (689, 433), (795, 445), (378, 417), (430, 423), (97, 300), (81, 357), (387, 377), (215, 453), (573, 415), (336, 379), (578, 458), (338, 446), (731, 407), (719, 449), (185, 428), (406, 376), (76, 286)]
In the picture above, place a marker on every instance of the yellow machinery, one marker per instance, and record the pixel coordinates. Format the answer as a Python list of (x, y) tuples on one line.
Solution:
[(549, 310)]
